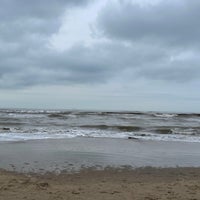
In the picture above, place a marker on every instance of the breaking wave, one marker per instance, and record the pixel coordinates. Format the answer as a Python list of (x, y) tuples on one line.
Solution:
[(16, 124)]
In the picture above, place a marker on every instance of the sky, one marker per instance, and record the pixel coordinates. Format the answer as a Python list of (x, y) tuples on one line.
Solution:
[(135, 55)]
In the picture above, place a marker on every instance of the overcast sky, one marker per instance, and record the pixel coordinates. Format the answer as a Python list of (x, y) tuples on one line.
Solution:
[(100, 54)]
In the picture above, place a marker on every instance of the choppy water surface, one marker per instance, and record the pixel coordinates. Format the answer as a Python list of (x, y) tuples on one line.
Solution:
[(17, 125)]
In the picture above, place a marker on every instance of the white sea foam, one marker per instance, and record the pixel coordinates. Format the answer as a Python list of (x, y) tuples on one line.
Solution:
[(165, 115), (13, 136), (170, 137)]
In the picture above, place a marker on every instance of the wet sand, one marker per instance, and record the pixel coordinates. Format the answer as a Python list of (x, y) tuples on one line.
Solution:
[(88, 168), (138, 184), (74, 154)]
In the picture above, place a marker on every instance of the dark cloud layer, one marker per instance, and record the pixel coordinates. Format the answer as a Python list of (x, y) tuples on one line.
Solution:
[(157, 42), (172, 25), (20, 18), (25, 28), (12, 9), (172, 22)]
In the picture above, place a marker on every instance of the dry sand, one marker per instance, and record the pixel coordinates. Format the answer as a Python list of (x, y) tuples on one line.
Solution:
[(147, 184)]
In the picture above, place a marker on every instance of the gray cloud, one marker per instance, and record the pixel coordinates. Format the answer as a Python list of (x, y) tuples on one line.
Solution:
[(25, 28), (32, 20), (79, 64), (170, 25), (12, 9), (178, 71), (142, 41), (173, 22)]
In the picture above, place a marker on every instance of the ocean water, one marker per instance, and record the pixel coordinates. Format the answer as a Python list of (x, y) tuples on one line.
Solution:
[(24, 124)]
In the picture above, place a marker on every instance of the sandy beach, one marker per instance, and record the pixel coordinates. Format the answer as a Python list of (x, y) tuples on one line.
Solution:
[(99, 168), (139, 184)]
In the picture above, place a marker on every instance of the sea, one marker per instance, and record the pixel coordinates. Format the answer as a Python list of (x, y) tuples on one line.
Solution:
[(33, 124)]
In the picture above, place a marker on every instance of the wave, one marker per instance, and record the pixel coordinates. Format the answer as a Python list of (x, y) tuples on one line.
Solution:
[(109, 127), (98, 113), (164, 131), (164, 115), (57, 115), (74, 123), (73, 133), (189, 114), (177, 131)]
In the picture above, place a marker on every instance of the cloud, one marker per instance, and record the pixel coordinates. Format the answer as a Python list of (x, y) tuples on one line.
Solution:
[(151, 42), (177, 71), (171, 25), (172, 22), (12, 9), (22, 18), (25, 30)]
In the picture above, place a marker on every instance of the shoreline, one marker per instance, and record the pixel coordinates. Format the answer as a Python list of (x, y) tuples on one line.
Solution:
[(140, 184), (97, 168), (42, 156)]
